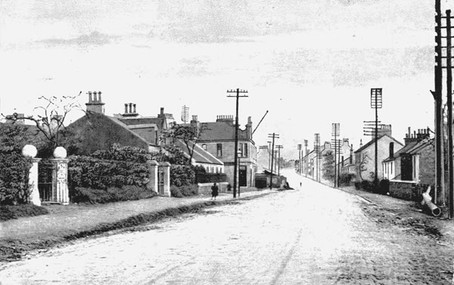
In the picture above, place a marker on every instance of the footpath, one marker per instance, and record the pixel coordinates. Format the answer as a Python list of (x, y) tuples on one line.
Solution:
[(65, 223), (408, 215)]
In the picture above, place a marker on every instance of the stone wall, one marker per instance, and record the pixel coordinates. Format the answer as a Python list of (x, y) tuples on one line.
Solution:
[(427, 165), (407, 190), (205, 188)]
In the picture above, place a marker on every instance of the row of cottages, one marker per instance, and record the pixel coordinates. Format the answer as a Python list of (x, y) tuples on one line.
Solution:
[(314, 161), (218, 139), (96, 131)]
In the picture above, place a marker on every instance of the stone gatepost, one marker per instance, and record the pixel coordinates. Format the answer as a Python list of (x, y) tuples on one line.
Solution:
[(153, 183), (31, 151), (165, 168), (60, 193)]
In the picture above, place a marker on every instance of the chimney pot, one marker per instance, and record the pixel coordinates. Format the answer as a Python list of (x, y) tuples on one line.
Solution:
[(162, 110), (89, 97), (99, 96), (126, 108), (134, 105), (130, 107)]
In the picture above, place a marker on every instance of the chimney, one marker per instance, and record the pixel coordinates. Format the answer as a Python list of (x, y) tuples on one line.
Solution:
[(130, 110), (351, 154), (195, 123), (249, 128), (95, 104)]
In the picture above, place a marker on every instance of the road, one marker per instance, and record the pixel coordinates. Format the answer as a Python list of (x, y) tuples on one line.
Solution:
[(310, 235)]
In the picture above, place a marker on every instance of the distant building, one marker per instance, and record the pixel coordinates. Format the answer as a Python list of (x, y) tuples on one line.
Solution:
[(218, 138)]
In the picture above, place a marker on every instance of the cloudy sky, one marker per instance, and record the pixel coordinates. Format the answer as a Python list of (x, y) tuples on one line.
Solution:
[(308, 62)]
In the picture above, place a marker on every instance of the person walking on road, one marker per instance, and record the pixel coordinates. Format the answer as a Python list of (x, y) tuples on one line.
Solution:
[(214, 191)]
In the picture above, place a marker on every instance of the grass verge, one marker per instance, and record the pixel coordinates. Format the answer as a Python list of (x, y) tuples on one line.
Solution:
[(12, 250)]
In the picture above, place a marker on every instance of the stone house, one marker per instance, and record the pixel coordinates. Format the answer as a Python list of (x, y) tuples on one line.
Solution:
[(218, 138), (365, 157), (405, 163), (96, 130)]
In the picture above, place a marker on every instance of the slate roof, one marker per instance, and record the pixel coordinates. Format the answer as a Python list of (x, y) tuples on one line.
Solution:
[(371, 142), (199, 155), (410, 148), (220, 131)]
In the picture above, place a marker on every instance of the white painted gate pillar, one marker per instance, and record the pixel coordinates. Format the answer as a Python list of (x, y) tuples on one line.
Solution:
[(31, 151), (153, 183), (60, 193)]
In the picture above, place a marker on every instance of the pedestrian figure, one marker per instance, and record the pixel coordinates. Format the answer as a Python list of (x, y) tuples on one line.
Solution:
[(229, 187), (214, 191)]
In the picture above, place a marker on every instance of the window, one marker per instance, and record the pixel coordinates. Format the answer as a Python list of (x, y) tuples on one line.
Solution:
[(243, 150), (219, 150)]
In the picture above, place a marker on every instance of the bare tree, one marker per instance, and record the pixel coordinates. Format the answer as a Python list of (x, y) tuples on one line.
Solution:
[(50, 116)]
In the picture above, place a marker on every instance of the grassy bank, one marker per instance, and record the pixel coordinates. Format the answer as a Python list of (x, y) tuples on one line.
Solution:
[(11, 249)]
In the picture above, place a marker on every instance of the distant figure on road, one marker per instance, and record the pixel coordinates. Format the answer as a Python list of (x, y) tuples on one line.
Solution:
[(214, 191), (229, 187)]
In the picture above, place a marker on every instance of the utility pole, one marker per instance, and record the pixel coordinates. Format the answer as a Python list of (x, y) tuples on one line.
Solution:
[(273, 136), (279, 159), (335, 133), (235, 168), (317, 157), (449, 103), (438, 110), (376, 103), (299, 158), (269, 154)]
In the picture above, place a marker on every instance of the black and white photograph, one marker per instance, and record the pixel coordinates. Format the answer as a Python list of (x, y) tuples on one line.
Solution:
[(226, 142)]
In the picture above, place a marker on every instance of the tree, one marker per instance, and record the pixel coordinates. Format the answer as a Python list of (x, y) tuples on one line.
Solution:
[(188, 134), (14, 166), (50, 118), (328, 166)]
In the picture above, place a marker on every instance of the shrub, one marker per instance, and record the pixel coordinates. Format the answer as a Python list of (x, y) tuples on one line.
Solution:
[(27, 210), (184, 191), (88, 172), (14, 171), (175, 192), (383, 187), (112, 194), (211, 177), (181, 175), (123, 153), (346, 178)]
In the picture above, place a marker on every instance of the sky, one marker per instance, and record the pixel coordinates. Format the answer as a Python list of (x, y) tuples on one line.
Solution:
[(308, 63)]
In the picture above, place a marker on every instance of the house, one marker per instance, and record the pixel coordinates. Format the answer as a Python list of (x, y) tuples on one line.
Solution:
[(218, 138), (365, 156), (96, 131), (405, 164)]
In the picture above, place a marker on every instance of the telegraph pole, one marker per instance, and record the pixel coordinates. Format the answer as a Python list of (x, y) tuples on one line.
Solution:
[(235, 168), (299, 159), (449, 103), (335, 133), (279, 159), (317, 157), (438, 109), (376, 103), (273, 136)]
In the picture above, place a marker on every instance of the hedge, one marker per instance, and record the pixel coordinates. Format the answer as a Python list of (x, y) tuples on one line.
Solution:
[(181, 175), (89, 172), (14, 172), (210, 177)]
